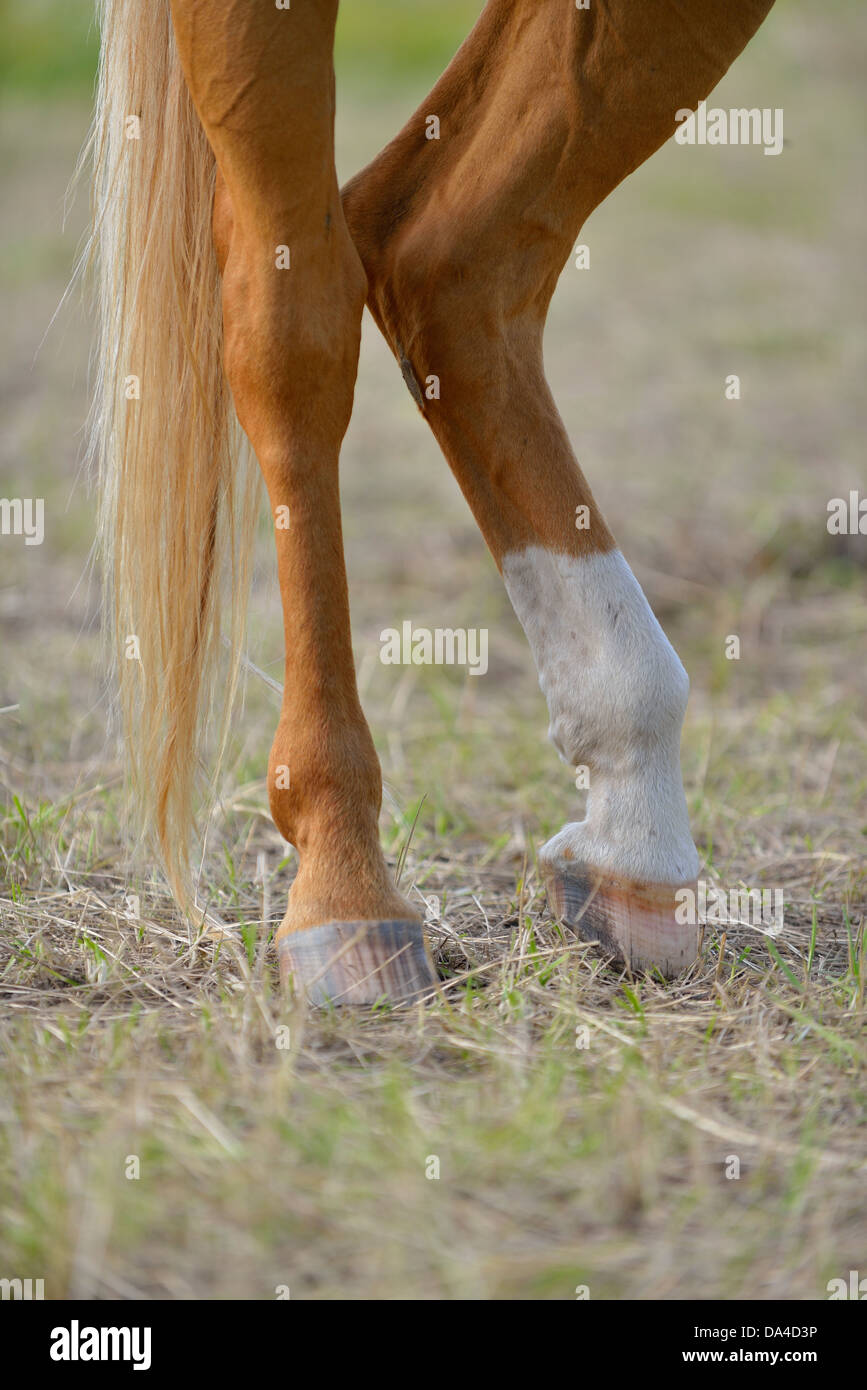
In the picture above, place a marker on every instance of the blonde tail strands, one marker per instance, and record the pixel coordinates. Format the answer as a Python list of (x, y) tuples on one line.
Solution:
[(178, 498)]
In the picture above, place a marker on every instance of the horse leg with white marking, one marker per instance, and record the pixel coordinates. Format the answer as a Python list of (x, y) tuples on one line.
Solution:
[(544, 110), (292, 288)]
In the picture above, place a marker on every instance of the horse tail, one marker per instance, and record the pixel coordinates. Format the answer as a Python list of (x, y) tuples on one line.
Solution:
[(177, 505)]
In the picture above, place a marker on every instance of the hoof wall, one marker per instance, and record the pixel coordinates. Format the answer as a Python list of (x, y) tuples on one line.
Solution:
[(357, 963), (634, 922)]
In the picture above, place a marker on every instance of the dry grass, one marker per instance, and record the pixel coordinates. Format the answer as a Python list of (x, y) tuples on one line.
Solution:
[(299, 1157), (305, 1165)]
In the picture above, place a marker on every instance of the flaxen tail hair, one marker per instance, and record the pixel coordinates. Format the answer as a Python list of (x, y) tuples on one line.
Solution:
[(178, 500)]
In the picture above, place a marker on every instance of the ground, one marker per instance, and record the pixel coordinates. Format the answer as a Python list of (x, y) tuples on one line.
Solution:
[(550, 1124)]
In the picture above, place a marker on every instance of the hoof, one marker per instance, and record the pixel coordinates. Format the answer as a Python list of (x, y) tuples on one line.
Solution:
[(357, 962), (634, 922)]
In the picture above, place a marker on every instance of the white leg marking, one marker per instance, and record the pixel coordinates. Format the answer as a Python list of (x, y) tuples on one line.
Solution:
[(616, 694)]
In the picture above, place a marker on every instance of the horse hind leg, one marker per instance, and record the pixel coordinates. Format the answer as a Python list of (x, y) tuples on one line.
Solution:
[(543, 111), (293, 290)]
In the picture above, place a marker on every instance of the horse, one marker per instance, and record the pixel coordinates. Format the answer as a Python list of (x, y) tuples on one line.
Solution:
[(232, 275)]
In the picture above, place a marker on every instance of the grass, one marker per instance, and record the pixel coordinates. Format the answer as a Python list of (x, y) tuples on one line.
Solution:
[(584, 1123), (302, 1157)]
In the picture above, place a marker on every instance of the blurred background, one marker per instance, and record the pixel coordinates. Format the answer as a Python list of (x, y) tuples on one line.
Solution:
[(709, 261)]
